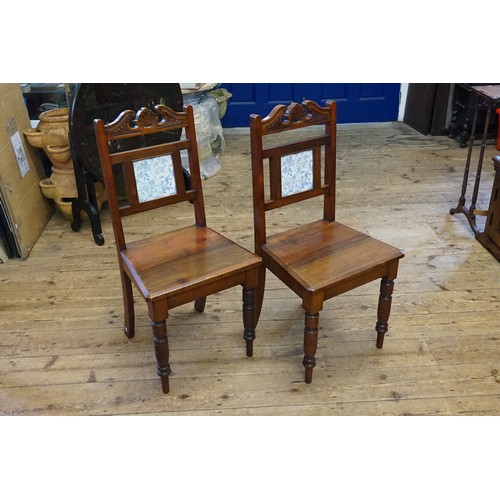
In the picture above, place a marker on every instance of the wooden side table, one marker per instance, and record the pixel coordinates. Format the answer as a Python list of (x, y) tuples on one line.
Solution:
[(462, 114), (487, 99), (490, 238)]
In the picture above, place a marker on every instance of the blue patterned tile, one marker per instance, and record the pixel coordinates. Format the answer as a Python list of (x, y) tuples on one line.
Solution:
[(296, 173), (154, 178)]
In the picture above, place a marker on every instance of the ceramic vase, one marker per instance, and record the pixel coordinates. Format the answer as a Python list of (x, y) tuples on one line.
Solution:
[(52, 135)]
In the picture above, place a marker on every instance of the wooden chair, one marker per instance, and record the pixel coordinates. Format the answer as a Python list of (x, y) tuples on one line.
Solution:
[(324, 258), (180, 265)]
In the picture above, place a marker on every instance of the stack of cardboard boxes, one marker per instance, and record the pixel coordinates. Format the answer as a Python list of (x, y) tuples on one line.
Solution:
[(24, 211)]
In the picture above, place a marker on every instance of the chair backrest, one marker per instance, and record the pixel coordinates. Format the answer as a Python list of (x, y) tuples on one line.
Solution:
[(297, 170), (153, 175)]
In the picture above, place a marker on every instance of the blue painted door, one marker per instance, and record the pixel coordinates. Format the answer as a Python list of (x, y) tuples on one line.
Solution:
[(356, 102)]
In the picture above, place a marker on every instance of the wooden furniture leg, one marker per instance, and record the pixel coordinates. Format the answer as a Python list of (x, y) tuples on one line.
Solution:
[(310, 343), (259, 291), (480, 166), (384, 310), (86, 202), (461, 208), (161, 351), (461, 200), (199, 304), (128, 306), (249, 319)]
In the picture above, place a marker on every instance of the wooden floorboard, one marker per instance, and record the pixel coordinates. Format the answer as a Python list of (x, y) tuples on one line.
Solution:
[(62, 350)]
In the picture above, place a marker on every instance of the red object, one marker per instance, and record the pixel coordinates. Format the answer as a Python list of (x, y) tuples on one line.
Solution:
[(498, 138)]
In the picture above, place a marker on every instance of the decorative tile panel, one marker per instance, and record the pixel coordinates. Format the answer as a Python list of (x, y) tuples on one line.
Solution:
[(154, 178), (296, 173)]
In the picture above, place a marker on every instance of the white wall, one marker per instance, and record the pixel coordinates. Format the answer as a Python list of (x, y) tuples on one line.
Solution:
[(403, 93)]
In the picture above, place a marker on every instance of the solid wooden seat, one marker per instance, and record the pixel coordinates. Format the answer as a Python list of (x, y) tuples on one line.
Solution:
[(325, 255), (323, 258), (177, 266)]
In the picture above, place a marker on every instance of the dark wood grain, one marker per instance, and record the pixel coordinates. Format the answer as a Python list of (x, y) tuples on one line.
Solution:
[(321, 259), (184, 259), (490, 237), (61, 319), (178, 266)]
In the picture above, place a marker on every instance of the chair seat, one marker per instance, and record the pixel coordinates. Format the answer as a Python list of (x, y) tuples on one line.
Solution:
[(323, 254), (184, 259)]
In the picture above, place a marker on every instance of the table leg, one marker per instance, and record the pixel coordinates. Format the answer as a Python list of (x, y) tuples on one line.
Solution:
[(480, 161), (470, 213), (461, 200)]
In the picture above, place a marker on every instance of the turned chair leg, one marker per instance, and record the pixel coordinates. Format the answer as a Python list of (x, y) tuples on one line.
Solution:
[(128, 306), (199, 304), (249, 318), (310, 344), (384, 310), (161, 350)]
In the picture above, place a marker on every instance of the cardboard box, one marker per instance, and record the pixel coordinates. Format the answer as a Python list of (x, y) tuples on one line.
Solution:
[(21, 171)]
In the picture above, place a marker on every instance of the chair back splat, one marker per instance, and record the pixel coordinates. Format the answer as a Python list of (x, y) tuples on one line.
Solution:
[(322, 258), (177, 266)]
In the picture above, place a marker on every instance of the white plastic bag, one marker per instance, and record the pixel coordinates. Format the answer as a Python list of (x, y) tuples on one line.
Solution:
[(209, 133)]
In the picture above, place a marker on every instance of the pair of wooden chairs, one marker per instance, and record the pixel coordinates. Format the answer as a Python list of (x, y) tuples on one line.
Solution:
[(318, 260)]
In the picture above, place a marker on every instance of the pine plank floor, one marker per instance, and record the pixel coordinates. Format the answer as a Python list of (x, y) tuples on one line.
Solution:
[(62, 350)]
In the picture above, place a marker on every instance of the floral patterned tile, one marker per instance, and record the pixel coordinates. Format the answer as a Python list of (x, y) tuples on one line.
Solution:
[(154, 178), (296, 173)]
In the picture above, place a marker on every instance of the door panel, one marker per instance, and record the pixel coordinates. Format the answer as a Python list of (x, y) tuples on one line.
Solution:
[(356, 102)]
